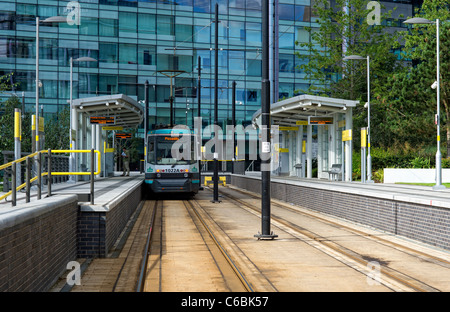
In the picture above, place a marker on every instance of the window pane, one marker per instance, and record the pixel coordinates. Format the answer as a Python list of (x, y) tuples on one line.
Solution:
[(146, 23), (165, 25), (127, 53), (237, 60), (127, 22), (87, 83), (202, 6), (108, 52), (146, 55), (237, 30), (45, 11), (48, 49), (253, 32), (301, 35), (107, 84), (286, 41), (254, 68), (183, 33), (7, 47), (202, 34), (108, 27), (26, 48), (286, 12), (7, 21), (286, 63), (89, 26), (127, 85), (302, 13)]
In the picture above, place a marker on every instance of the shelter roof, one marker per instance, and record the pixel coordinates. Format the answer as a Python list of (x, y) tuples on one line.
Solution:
[(287, 112), (126, 111)]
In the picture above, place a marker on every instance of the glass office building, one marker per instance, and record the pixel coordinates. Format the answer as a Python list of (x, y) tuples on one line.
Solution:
[(134, 40)]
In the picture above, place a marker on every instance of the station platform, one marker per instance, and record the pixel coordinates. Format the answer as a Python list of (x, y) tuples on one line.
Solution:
[(107, 191)]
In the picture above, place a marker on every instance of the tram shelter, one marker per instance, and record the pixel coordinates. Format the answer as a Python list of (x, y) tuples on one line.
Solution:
[(93, 117), (312, 127)]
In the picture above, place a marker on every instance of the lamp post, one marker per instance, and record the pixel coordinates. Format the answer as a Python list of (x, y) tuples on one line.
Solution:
[(72, 161), (54, 19), (369, 157), (420, 20)]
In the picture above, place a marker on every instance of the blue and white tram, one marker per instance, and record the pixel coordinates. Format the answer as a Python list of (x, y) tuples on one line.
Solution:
[(165, 172)]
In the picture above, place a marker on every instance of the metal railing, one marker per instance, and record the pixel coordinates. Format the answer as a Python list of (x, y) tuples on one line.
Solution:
[(49, 173)]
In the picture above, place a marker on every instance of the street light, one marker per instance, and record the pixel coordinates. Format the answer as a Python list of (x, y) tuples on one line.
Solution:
[(369, 157), (420, 20), (53, 19), (72, 161)]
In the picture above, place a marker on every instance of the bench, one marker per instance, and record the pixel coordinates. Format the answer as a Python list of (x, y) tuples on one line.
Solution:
[(335, 172), (221, 179)]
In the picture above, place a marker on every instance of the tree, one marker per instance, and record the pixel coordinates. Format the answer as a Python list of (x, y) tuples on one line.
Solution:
[(7, 120), (57, 131), (7, 125), (411, 102), (344, 30)]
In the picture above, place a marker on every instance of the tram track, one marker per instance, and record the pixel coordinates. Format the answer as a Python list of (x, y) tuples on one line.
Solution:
[(162, 254), (390, 277)]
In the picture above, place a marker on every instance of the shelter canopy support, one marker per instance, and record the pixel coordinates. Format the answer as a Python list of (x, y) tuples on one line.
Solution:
[(312, 127), (116, 110)]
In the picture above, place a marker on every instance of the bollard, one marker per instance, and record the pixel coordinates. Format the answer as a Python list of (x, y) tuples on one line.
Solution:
[(27, 197), (14, 188), (92, 175), (49, 173)]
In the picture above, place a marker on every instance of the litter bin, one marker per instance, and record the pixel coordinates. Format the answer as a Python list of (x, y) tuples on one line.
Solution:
[(298, 170)]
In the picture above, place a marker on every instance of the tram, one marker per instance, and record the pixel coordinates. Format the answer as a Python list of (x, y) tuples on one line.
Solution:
[(171, 165)]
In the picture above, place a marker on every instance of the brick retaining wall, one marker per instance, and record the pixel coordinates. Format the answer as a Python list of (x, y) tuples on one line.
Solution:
[(98, 230), (37, 241), (429, 224)]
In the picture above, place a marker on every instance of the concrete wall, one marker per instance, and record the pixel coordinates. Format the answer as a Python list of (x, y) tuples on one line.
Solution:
[(411, 175), (37, 240), (414, 220)]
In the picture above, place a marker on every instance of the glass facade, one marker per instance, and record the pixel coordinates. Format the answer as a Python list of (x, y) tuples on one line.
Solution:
[(135, 39)]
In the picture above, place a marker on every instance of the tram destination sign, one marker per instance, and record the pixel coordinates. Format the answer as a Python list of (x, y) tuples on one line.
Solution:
[(102, 120), (123, 135), (317, 120)]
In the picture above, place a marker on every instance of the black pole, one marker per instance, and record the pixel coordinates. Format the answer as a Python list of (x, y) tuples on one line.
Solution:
[(233, 120), (171, 110), (142, 166), (199, 130), (216, 101), (146, 127), (265, 128)]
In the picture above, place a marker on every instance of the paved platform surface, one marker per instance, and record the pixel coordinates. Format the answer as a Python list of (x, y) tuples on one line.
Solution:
[(401, 192), (106, 190)]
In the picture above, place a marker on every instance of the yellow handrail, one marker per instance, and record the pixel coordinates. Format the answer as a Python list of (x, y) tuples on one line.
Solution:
[(53, 173), (79, 173)]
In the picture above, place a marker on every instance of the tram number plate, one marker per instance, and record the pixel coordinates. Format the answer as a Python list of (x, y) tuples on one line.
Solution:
[(172, 170)]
